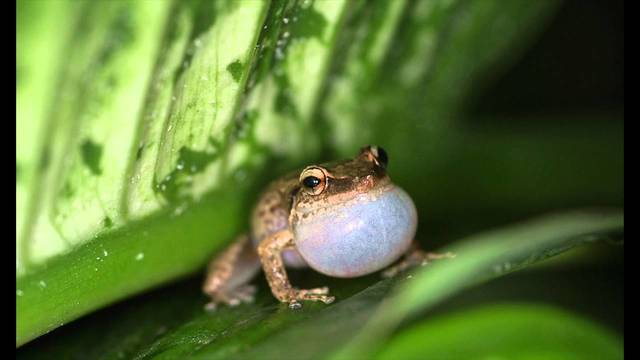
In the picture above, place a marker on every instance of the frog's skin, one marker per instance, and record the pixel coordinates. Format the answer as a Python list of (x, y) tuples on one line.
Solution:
[(342, 219)]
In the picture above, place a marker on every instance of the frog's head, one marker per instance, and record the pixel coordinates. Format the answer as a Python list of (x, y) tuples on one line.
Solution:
[(334, 183), (351, 211)]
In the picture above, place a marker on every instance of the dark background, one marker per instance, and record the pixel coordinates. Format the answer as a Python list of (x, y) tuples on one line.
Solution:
[(576, 66)]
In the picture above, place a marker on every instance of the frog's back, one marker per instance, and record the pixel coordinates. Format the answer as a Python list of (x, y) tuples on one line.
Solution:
[(271, 212)]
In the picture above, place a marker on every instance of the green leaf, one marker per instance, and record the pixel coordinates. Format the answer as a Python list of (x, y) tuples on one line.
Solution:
[(481, 258), (172, 323), (505, 331), (121, 262)]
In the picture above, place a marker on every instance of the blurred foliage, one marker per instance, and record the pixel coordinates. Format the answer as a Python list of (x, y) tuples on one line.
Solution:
[(145, 130), (505, 331)]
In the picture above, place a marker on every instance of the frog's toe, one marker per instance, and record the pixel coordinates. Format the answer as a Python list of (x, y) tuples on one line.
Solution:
[(245, 293), (233, 297), (318, 291), (390, 272), (295, 304), (239, 295), (405, 264), (312, 297), (317, 294), (327, 299), (413, 259)]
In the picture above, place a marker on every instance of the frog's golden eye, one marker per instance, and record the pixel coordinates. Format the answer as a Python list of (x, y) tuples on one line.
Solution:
[(314, 180), (376, 154)]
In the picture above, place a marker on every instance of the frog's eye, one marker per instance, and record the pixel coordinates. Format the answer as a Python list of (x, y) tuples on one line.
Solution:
[(376, 155), (313, 180)]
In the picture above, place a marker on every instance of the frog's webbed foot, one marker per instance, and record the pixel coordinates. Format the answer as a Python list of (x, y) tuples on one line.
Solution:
[(270, 251), (316, 294), (414, 257), (233, 297)]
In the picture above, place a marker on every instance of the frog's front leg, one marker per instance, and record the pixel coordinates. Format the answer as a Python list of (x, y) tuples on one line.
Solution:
[(270, 252), (414, 257)]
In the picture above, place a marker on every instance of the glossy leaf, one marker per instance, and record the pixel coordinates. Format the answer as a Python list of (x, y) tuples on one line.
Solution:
[(172, 324)]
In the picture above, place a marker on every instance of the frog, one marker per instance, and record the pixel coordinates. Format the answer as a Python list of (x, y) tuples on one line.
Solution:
[(343, 219)]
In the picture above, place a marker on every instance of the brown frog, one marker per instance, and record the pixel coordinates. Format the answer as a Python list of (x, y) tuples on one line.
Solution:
[(342, 219)]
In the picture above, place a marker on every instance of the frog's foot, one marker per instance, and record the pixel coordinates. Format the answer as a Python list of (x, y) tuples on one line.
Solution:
[(414, 258), (295, 296), (233, 297), (270, 251)]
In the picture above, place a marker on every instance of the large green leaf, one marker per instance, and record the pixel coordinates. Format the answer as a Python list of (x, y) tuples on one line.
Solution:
[(145, 129), (485, 256), (172, 324), (505, 332)]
